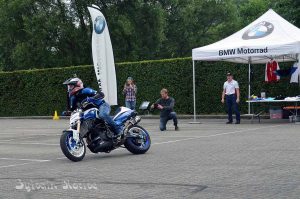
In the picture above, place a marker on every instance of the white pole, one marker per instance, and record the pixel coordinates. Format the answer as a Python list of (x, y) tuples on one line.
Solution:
[(298, 62), (249, 85), (194, 90), (194, 94)]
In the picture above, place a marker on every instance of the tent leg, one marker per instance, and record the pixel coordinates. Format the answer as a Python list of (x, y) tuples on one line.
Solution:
[(194, 95), (298, 62), (249, 86)]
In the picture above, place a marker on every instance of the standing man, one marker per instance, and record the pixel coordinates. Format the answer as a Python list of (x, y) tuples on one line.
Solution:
[(231, 90), (166, 105)]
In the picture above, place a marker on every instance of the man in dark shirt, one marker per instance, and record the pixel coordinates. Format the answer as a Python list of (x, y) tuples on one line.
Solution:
[(166, 104)]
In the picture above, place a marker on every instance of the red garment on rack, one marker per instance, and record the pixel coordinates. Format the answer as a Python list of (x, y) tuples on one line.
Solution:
[(270, 75)]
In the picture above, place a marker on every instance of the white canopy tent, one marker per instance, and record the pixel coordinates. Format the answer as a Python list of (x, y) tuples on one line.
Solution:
[(270, 36)]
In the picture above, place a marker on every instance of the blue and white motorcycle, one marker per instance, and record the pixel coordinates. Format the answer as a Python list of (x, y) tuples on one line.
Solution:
[(87, 128)]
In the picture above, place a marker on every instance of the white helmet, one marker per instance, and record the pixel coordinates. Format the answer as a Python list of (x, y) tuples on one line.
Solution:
[(74, 85)]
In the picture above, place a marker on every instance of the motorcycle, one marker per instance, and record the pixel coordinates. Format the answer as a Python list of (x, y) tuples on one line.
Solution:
[(88, 128)]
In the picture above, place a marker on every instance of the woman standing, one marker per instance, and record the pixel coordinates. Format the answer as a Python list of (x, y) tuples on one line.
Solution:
[(130, 91)]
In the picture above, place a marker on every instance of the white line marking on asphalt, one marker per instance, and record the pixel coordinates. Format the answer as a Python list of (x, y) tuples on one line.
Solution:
[(15, 165), (29, 143), (21, 137), (215, 135), (32, 134), (168, 142), (184, 136), (61, 158), (31, 160)]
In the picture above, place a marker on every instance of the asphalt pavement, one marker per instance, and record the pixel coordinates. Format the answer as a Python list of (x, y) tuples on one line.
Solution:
[(207, 160)]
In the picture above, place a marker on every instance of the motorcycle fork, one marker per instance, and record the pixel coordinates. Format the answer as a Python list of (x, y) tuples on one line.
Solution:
[(78, 126), (76, 134)]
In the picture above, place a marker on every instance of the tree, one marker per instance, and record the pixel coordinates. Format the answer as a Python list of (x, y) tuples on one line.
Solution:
[(252, 9), (138, 29), (288, 9), (196, 23), (39, 34), (54, 33)]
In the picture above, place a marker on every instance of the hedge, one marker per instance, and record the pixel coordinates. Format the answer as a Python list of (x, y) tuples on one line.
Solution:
[(40, 92)]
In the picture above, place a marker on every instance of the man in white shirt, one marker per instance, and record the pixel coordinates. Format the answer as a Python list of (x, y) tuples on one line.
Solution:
[(231, 90)]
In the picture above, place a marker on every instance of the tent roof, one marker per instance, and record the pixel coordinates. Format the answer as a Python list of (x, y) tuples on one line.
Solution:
[(268, 36)]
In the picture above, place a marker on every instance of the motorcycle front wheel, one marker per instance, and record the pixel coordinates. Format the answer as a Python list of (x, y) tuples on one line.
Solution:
[(70, 149), (139, 141)]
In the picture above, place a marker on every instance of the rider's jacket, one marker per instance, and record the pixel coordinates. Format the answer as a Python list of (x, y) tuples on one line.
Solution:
[(80, 96)]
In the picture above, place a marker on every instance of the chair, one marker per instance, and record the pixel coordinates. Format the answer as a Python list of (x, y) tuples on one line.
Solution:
[(145, 107)]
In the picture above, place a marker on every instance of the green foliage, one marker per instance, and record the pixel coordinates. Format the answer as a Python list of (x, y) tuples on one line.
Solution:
[(288, 9), (40, 34), (40, 92), (51, 33), (43, 34), (137, 29), (196, 23), (252, 9)]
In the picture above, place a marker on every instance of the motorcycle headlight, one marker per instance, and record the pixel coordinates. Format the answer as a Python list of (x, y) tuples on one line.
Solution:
[(74, 118), (137, 119)]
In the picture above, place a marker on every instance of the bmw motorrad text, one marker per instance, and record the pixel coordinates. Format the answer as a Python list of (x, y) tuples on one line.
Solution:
[(47, 185)]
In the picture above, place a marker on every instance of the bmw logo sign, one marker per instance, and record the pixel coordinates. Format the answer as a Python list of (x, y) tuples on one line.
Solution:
[(99, 24), (259, 30)]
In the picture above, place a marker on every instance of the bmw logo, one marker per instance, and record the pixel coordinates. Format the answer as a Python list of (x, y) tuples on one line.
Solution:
[(99, 24), (259, 30)]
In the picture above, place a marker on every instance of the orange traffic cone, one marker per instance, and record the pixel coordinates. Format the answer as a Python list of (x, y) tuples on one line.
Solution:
[(55, 117)]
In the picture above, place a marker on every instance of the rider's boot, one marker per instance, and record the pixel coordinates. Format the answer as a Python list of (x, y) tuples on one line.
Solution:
[(118, 133)]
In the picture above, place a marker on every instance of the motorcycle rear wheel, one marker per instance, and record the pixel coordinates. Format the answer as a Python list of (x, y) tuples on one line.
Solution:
[(137, 145)]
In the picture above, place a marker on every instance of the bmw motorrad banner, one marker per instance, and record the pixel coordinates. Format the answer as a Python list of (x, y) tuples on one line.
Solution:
[(242, 51), (259, 30), (270, 36), (103, 57)]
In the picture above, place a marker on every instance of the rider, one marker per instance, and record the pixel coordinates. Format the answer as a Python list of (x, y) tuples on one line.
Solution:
[(78, 94)]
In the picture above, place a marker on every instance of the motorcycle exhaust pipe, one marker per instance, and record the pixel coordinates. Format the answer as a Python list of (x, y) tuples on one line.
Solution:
[(132, 122)]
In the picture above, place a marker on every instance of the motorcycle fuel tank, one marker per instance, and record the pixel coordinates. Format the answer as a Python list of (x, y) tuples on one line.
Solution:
[(92, 113)]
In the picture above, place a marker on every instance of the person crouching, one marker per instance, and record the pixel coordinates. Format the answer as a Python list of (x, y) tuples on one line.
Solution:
[(166, 105)]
